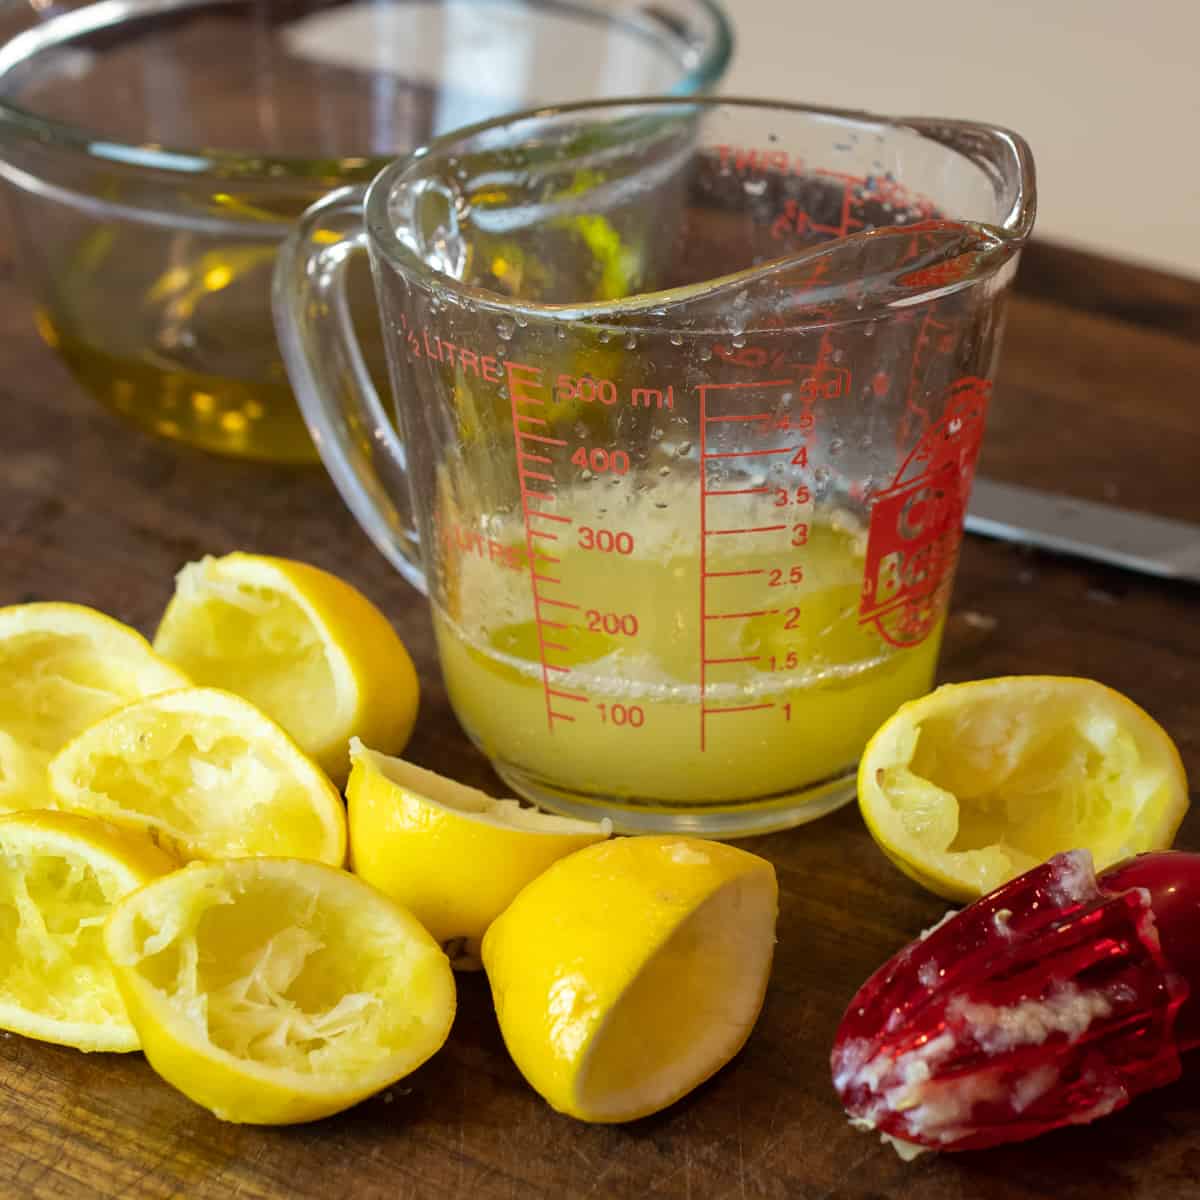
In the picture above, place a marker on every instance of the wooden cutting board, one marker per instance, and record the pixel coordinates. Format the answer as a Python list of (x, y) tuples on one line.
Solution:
[(1097, 396)]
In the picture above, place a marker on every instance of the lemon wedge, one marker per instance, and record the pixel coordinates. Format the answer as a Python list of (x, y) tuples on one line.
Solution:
[(302, 645), (59, 878), (273, 991), (975, 783), (207, 775), (453, 856), (63, 666), (628, 973)]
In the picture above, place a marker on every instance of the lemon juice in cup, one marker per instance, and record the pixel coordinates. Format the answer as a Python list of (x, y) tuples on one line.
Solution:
[(690, 397), (797, 678)]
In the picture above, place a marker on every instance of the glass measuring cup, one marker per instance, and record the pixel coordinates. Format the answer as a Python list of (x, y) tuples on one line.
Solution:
[(690, 396)]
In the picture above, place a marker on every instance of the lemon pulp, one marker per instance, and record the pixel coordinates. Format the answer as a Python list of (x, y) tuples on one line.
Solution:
[(632, 643), (273, 990), (977, 782)]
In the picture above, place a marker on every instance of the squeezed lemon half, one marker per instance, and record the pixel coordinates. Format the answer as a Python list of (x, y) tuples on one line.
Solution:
[(975, 783), (207, 775), (628, 973), (273, 990), (63, 666), (453, 856), (60, 875), (302, 645)]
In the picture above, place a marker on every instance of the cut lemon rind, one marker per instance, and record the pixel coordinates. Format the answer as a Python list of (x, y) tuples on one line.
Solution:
[(451, 854), (975, 783), (275, 1042), (630, 972), (63, 666), (306, 647), (205, 774), (86, 866)]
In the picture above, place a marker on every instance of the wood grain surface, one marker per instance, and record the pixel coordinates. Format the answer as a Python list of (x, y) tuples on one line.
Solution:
[(1097, 396)]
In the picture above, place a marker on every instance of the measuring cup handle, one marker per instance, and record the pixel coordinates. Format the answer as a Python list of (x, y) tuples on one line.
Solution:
[(358, 443)]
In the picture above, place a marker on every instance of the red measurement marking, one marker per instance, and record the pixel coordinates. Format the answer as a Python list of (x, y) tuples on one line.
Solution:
[(568, 695), (546, 600), (545, 578), (703, 569), (537, 437), (553, 666), (739, 417), (547, 557), (534, 457), (555, 646), (750, 529), (542, 533), (537, 475), (761, 612), (755, 491), (750, 453), (730, 574), (522, 384), (749, 658), (537, 512), (733, 387), (557, 716), (548, 624), (708, 712)]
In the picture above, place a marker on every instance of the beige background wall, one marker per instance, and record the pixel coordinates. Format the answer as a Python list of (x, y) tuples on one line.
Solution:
[(1106, 91)]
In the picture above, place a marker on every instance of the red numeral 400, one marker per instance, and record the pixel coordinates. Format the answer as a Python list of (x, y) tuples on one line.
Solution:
[(598, 460)]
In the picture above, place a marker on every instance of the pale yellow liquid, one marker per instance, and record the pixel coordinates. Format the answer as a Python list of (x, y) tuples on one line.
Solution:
[(838, 685)]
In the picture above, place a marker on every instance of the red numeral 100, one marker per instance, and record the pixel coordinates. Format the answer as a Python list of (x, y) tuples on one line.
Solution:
[(600, 460), (622, 714)]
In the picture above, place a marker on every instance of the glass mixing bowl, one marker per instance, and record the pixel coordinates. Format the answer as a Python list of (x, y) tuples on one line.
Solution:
[(156, 152)]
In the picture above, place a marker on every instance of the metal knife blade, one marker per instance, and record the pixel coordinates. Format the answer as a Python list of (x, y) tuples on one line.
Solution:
[(1122, 537)]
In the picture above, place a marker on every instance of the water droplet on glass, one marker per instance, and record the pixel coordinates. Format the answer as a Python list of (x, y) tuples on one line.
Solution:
[(631, 342), (683, 449), (821, 474), (656, 434), (738, 340), (660, 504), (561, 332), (603, 337), (836, 444), (676, 339), (754, 187), (523, 322), (869, 330), (504, 330), (664, 471), (585, 476), (704, 353)]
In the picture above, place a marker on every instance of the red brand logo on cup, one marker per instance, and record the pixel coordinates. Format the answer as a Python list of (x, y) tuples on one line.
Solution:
[(916, 524)]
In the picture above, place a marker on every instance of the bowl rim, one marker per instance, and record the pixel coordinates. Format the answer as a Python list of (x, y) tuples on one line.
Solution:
[(223, 163)]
